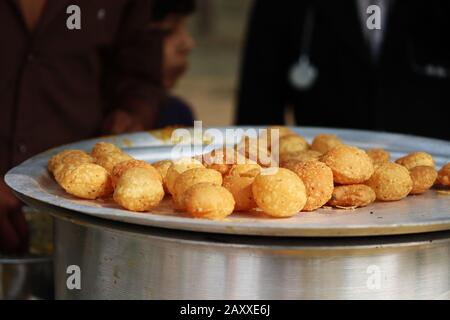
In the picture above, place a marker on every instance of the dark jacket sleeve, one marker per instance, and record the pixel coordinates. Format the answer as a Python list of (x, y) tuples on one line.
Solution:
[(263, 79), (136, 81)]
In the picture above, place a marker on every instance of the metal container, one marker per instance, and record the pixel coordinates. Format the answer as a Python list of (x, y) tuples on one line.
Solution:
[(389, 251), (27, 277)]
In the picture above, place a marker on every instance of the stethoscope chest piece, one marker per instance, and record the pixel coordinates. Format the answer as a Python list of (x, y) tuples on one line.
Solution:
[(303, 74)]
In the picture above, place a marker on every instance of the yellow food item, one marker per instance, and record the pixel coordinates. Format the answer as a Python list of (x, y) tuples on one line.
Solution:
[(444, 175), (122, 167), (416, 159), (256, 150), (291, 144), (138, 190), (352, 196), (208, 201), (325, 142), (103, 148), (318, 180), (423, 178), (281, 194), (67, 158), (86, 181), (247, 170), (223, 159), (162, 167), (241, 189), (177, 168), (379, 156), (391, 182), (299, 156), (350, 165), (190, 178)]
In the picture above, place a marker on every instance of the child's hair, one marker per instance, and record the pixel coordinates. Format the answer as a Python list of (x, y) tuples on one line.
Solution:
[(163, 8)]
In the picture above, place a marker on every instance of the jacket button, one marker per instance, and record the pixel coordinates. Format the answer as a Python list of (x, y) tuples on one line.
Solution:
[(22, 148), (101, 14)]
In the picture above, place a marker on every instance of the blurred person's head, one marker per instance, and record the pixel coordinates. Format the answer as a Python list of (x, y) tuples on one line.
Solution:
[(172, 16)]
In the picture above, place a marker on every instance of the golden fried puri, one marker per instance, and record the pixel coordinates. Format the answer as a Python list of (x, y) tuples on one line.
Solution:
[(245, 170), (416, 159), (279, 194), (108, 155), (423, 178), (444, 175), (208, 201), (103, 148), (291, 144), (138, 190), (223, 159), (352, 196), (318, 180), (122, 167), (391, 182), (241, 189), (256, 150), (299, 156), (69, 158), (177, 168), (162, 167), (350, 165), (379, 156), (325, 142), (190, 178), (86, 181)]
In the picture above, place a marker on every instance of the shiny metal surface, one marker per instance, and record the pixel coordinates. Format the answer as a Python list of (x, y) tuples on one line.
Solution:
[(118, 262), (425, 213), (28, 277)]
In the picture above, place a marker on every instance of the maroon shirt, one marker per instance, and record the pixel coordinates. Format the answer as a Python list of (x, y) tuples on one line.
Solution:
[(58, 85)]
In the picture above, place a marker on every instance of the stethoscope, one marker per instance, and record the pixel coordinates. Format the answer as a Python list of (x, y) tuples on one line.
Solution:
[(303, 74)]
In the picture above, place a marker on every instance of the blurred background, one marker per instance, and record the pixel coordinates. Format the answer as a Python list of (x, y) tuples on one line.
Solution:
[(218, 28)]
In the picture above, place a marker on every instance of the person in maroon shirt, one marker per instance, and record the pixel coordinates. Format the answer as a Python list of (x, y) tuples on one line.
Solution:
[(59, 85)]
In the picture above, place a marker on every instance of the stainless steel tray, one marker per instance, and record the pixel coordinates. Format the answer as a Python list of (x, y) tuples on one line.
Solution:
[(416, 214)]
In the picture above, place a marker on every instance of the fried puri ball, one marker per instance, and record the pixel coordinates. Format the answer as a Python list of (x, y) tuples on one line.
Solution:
[(192, 177), (350, 165), (208, 201), (110, 160), (353, 196), (318, 180), (103, 148), (177, 168), (65, 159), (162, 167), (138, 190), (245, 170), (291, 144), (416, 159), (222, 159), (256, 150), (86, 181), (122, 167), (325, 142), (279, 194), (444, 175), (241, 189), (275, 133), (391, 182), (300, 156), (379, 156), (423, 178)]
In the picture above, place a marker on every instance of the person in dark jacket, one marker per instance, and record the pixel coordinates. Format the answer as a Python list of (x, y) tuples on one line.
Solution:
[(328, 61), (71, 70)]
